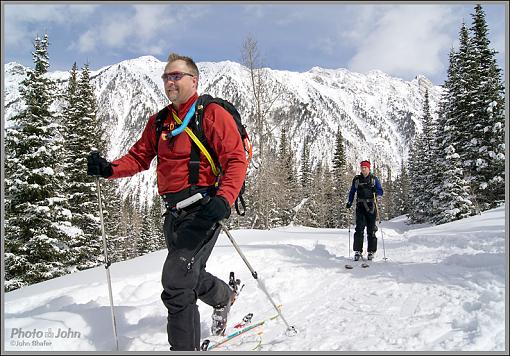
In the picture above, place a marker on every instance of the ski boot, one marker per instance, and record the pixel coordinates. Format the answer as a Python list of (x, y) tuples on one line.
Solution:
[(370, 256), (220, 312), (357, 255)]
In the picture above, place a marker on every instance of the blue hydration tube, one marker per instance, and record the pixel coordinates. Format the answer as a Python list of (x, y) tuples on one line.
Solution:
[(185, 122)]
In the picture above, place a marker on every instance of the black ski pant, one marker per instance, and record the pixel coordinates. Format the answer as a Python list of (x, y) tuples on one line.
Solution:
[(365, 218), (190, 240)]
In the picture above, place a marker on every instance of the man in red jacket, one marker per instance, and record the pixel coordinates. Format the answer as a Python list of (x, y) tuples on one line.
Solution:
[(190, 232)]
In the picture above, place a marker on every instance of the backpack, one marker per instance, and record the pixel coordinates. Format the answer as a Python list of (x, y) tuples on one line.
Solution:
[(200, 142), (372, 182)]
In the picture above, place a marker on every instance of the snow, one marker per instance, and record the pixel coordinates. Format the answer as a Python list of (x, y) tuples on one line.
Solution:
[(442, 288)]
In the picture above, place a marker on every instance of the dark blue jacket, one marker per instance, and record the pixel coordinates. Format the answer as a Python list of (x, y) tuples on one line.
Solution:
[(377, 184)]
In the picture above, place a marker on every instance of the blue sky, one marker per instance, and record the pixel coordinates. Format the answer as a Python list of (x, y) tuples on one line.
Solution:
[(402, 40)]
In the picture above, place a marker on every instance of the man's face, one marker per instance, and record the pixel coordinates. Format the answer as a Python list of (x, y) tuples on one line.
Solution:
[(365, 170), (178, 91)]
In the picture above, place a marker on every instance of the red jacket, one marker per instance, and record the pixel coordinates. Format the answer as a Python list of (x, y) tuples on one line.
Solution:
[(221, 134)]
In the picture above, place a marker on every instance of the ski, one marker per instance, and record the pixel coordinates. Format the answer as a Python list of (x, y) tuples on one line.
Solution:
[(363, 265), (246, 320), (207, 345)]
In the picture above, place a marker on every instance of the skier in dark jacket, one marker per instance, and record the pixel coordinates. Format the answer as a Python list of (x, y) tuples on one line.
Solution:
[(367, 187), (192, 231)]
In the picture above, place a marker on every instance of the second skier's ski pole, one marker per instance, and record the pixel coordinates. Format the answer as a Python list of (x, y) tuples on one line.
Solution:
[(107, 264), (290, 329), (382, 235), (349, 240)]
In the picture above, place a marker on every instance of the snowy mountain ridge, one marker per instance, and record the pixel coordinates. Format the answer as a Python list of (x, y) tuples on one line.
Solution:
[(379, 115)]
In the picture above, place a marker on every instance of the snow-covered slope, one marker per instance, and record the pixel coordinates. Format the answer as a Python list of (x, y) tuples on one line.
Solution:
[(378, 114), (442, 288)]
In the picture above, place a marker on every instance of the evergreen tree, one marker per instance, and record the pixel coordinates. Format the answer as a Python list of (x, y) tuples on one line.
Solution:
[(488, 102), (454, 196), (157, 211), (423, 169), (402, 191), (306, 170), (445, 135), (289, 187), (37, 226), (81, 121), (387, 208), (151, 235), (312, 212), (329, 199), (418, 210), (148, 240), (461, 110), (341, 182)]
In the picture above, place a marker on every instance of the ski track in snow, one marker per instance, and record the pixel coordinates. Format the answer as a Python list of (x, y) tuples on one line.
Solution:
[(442, 288)]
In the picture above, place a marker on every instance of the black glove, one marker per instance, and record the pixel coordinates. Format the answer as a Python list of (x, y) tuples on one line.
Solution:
[(216, 209), (98, 166), (348, 205)]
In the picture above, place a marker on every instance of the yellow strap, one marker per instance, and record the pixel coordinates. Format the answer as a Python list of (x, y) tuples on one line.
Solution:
[(195, 139)]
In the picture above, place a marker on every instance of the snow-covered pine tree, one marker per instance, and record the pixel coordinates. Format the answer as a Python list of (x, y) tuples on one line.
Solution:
[(37, 221), (312, 213), (157, 210), (417, 213), (289, 189), (488, 101), (451, 187), (387, 208), (81, 138), (121, 248), (148, 239), (341, 183), (306, 169), (462, 123), (402, 190), (454, 196), (422, 169)]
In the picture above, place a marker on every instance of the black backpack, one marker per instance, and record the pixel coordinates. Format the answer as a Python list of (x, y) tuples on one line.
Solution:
[(196, 127), (372, 181)]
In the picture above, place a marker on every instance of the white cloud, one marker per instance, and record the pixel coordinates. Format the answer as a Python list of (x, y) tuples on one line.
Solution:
[(140, 28), (405, 40), (19, 19), (87, 42)]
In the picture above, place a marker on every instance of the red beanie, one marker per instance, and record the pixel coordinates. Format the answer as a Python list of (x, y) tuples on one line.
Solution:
[(365, 164)]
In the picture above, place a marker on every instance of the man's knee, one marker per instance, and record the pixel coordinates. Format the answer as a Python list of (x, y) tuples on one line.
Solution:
[(179, 280)]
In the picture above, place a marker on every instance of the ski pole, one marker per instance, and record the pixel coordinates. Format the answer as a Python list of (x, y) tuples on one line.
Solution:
[(349, 239), (107, 263), (290, 329), (382, 235)]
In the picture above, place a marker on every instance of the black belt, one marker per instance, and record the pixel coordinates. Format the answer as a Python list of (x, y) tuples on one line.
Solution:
[(369, 200), (364, 202), (171, 199)]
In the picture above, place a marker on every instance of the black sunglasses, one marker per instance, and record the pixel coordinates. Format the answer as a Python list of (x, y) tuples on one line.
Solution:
[(174, 76)]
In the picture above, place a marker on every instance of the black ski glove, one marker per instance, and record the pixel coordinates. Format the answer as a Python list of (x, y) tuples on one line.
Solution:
[(348, 205), (216, 209), (98, 166)]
